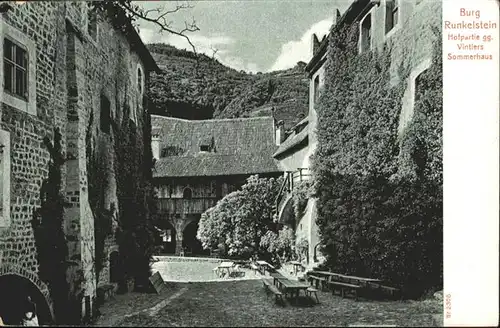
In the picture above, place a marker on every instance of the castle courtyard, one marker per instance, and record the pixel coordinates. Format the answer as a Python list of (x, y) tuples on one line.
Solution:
[(244, 303)]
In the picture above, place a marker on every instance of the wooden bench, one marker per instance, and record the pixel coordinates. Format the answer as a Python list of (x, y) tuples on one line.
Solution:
[(342, 286), (310, 291), (268, 285), (393, 291), (316, 280)]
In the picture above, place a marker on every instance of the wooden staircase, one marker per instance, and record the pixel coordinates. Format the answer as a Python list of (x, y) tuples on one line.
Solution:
[(292, 178)]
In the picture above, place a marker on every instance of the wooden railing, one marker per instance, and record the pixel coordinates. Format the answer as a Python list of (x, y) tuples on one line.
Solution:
[(291, 179), (185, 206)]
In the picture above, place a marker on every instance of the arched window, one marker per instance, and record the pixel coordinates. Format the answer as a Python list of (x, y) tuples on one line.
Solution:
[(412, 94), (187, 194), (105, 115)]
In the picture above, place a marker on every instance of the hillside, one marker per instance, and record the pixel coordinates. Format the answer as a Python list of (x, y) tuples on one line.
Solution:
[(206, 88)]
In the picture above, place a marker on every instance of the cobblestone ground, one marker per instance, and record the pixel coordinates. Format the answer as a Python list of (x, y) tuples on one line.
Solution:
[(244, 303)]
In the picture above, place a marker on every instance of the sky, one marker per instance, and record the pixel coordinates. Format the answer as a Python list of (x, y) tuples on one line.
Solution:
[(250, 35)]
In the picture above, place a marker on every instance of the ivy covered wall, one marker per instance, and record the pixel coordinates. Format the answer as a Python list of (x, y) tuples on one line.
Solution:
[(379, 191)]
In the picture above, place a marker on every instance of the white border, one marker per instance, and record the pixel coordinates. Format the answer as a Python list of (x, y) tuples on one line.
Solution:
[(470, 172)]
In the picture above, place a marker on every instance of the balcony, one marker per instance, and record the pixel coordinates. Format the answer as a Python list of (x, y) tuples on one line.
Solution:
[(185, 206)]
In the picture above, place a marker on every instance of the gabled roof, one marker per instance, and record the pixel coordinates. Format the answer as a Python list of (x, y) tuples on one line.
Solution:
[(353, 13), (298, 139), (241, 146)]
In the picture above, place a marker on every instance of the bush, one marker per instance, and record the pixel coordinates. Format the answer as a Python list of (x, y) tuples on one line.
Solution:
[(379, 195), (279, 245), (300, 196), (240, 219)]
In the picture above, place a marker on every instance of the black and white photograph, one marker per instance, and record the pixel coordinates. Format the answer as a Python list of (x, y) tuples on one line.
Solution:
[(233, 163)]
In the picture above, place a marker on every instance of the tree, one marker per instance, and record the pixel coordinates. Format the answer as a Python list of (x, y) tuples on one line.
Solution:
[(241, 219), (279, 245), (124, 12)]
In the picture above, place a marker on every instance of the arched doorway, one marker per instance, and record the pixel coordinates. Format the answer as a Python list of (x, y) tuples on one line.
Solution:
[(166, 237), (114, 267), (190, 243), (14, 293), (187, 193)]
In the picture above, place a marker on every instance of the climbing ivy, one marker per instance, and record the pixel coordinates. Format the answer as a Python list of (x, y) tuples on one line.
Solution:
[(50, 240), (300, 196), (379, 195), (136, 201)]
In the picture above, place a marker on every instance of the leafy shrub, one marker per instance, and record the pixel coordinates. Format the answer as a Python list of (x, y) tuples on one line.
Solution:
[(302, 248), (240, 219), (300, 195), (279, 245)]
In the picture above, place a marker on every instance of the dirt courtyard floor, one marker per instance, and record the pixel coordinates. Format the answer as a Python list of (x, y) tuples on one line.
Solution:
[(245, 303)]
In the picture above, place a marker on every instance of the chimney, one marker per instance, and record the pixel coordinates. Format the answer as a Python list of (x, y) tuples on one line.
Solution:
[(314, 44), (280, 132), (155, 143)]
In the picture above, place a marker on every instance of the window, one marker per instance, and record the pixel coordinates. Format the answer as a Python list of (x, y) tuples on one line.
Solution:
[(105, 115), (18, 66), (15, 68), (4, 178), (167, 236), (366, 37), (205, 148), (140, 80), (391, 14), (187, 194), (316, 89), (416, 86)]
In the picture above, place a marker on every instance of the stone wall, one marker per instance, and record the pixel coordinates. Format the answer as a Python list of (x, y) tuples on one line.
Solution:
[(72, 71)]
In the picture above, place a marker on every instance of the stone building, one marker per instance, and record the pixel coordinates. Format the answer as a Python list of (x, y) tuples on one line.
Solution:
[(382, 23), (198, 163), (65, 67)]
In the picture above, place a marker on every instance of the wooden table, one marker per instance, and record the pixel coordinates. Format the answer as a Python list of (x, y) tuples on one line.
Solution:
[(263, 265), (296, 266), (351, 279), (292, 286), (226, 266)]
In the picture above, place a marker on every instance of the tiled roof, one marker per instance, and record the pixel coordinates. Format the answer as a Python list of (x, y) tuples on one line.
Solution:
[(295, 139), (240, 146)]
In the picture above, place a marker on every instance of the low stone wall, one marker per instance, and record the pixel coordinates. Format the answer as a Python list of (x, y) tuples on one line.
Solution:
[(187, 259)]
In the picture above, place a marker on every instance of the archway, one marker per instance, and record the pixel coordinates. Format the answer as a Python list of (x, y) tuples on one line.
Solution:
[(187, 193), (190, 243), (286, 215), (14, 293), (167, 238)]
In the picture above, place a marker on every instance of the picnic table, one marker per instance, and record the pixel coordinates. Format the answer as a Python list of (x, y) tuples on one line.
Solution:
[(263, 265), (296, 266), (343, 277), (290, 286), (225, 266), (350, 282)]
